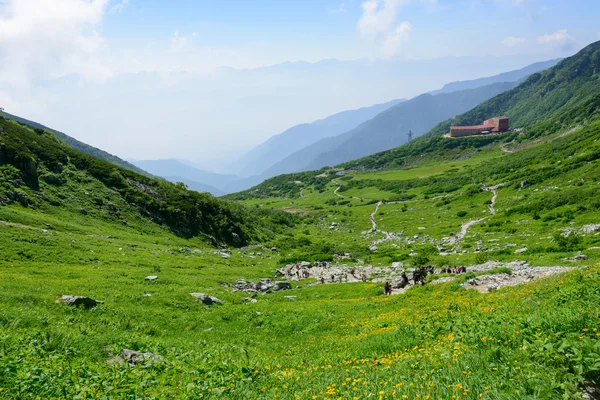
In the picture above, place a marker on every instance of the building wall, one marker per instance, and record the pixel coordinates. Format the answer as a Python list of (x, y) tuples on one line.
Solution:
[(499, 123), (464, 132)]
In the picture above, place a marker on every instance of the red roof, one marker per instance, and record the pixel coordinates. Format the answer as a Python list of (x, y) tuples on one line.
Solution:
[(474, 127)]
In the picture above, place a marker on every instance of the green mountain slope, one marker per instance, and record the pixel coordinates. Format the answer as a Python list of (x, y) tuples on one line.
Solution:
[(80, 146), (41, 172), (564, 96)]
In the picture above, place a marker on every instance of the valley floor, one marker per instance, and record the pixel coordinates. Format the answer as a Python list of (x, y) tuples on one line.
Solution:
[(529, 330)]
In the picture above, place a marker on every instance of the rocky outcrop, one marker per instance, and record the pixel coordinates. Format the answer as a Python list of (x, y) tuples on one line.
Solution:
[(264, 286), (79, 301), (135, 357), (206, 299)]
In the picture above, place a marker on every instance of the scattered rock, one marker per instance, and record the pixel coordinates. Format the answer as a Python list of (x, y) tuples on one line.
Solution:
[(249, 300), (206, 299), (151, 278), (134, 357), (281, 285), (147, 295), (520, 251), (82, 301), (291, 298)]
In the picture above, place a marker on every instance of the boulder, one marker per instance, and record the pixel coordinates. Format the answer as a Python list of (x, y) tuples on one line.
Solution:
[(206, 299), (151, 278), (520, 251), (134, 357), (399, 284), (281, 285), (82, 301)]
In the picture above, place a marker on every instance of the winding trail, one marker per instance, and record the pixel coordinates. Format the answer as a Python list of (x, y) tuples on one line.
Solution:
[(504, 149), (494, 190), (464, 229), (372, 216)]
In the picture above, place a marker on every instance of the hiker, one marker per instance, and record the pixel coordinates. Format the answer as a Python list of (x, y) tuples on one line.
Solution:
[(386, 289), (332, 278), (404, 279), (443, 271), (363, 277), (322, 281), (416, 275)]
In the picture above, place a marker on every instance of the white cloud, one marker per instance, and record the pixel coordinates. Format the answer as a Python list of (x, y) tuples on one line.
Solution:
[(119, 6), (394, 41), (511, 41), (560, 38), (379, 22), (44, 39)]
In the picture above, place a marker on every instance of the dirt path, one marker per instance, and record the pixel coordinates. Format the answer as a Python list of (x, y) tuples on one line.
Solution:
[(504, 149), (464, 229), (372, 216), (494, 190), (302, 193)]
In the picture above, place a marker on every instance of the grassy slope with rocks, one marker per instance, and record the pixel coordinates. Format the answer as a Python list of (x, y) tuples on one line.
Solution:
[(539, 340)]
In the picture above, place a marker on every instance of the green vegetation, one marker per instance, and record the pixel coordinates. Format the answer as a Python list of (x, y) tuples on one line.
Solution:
[(42, 173), (80, 146), (71, 224)]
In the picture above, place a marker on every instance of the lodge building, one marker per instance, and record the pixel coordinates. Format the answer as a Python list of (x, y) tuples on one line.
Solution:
[(492, 125)]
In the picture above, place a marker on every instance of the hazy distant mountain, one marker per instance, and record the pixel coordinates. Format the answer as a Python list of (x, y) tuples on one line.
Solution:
[(177, 171), (387, 130), (511, 76), (390, 128), (297, 137)]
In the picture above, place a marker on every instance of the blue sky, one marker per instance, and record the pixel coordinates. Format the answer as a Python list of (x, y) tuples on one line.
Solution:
[(143, 78), (313, 30)]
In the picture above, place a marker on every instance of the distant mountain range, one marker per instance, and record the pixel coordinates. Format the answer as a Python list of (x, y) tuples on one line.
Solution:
[(511, 76), (278, 147), (336, 139), (386, 130), (194, 178)]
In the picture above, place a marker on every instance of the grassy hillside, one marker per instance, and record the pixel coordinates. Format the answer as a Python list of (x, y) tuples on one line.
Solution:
[(551, 101), (539, 340), (40, 172), (520, 211), (80, 146), (543, 96)]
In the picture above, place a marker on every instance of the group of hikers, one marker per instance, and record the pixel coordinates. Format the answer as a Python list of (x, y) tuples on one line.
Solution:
[(419, 274), (454, 270)]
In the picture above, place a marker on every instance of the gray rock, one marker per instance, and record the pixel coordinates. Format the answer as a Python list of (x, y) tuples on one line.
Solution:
[(281, 285), (22, 199), (520, 251), (134, 357), (249, 300), (291, 298), (206, 299), (147, 295), (82, 301), (151, 278)]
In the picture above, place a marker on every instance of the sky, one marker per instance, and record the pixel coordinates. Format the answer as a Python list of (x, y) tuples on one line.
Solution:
[(207, 80)]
